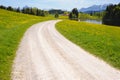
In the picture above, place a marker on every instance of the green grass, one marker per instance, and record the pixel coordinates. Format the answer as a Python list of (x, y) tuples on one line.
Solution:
[(63, 17), (12, 27), (101, 40)]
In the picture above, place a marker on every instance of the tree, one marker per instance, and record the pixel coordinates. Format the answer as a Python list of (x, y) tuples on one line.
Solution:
[(74, 14), (27, 10), (9, 8), (56, 15), (71, 15), (37, 12), (23, 10), (34, 10), (18, 9), (42, 13), (2, 7), (46, 13), (31, 11)]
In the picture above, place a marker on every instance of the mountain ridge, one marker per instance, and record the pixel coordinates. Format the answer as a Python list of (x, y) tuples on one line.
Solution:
[(96, 8)]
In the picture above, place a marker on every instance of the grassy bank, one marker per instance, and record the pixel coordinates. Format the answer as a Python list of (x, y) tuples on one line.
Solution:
[(12, 27), (101, 40)]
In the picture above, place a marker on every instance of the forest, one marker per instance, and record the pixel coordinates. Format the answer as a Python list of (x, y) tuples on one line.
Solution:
[(112, 15)]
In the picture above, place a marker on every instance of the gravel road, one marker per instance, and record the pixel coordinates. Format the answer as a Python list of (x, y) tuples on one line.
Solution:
[(44, 54)]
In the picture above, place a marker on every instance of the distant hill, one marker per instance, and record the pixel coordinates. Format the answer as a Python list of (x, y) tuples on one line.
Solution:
[(94, 8)]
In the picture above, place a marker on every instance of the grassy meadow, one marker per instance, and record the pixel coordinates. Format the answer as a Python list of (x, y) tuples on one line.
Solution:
[(12, 27), (100, 40)]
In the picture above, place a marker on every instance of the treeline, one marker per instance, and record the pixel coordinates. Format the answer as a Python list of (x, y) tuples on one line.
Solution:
[(85, 16), (27, 10), (97, 14), (112, 15), (54, 11)]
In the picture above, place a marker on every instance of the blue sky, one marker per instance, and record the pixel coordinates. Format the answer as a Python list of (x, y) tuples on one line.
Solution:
[(56, 4)]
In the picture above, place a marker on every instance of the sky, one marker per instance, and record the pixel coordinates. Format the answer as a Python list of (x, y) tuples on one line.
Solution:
[(56, 4)]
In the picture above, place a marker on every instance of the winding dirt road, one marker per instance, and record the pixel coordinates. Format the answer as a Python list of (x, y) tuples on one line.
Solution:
[(44, 54)]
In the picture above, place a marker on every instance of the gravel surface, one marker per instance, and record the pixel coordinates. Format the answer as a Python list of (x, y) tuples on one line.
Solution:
[(44, 54)]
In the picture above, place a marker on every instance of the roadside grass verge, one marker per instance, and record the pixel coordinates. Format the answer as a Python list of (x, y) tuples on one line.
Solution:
[(12, 27), (63, 17), (101, 40)]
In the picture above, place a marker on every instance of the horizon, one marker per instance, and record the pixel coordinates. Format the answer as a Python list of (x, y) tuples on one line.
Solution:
[(59, 4)]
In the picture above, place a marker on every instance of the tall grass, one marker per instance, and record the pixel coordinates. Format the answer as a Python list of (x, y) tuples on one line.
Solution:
[(12, 27), (101, 40)]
